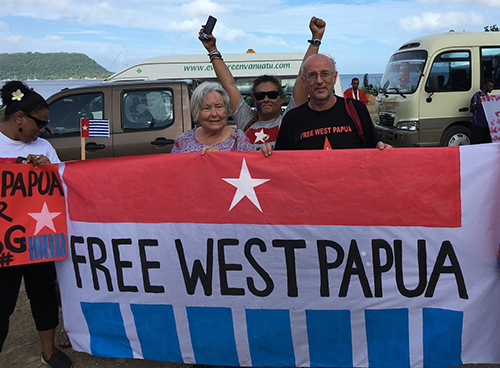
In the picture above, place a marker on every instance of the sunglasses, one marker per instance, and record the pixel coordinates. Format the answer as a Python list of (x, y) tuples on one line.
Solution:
[(39, 122), (261, 95)]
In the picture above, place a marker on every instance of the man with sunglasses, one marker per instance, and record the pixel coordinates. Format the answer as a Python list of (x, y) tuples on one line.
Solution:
[(262, 125), (326, 121)]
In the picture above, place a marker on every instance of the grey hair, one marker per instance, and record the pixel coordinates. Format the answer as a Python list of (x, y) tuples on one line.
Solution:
[(316, 55), (199, 95)]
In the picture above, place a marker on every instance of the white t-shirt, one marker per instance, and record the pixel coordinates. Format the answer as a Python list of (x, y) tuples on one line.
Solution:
[(12, 149)]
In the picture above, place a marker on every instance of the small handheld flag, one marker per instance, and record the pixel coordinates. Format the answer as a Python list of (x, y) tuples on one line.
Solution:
[(93, 128)]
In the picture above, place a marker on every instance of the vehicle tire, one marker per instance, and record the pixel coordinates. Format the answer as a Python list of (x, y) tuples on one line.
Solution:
[(457, 135)]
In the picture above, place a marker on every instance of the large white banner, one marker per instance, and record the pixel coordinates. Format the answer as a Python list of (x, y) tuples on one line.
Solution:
[(348, 258)]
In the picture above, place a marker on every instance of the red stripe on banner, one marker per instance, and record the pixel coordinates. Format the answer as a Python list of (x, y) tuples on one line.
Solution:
[(399, 187)]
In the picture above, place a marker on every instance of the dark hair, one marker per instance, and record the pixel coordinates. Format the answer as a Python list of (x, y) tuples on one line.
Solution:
[(268, 78), (354, 79), (29, 103), (486, 81)]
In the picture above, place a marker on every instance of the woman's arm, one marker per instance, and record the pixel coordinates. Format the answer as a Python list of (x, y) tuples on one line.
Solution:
[(223, 73)]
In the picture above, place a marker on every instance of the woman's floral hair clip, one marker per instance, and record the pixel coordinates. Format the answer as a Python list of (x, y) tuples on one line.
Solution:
[(17, 95)]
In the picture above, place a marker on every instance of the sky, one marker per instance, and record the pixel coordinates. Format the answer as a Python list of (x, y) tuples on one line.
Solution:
[(361, 35)]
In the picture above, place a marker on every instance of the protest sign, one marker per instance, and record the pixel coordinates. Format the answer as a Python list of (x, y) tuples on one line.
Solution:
[(32, 215), (491, 106), (321, 258)]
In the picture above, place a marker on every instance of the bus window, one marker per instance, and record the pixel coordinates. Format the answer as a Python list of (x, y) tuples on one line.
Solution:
[(403, 72), (451, 70), (490, 64)]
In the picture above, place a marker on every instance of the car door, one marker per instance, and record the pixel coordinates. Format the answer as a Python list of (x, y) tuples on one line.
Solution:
[(65, 111), (150, 118)]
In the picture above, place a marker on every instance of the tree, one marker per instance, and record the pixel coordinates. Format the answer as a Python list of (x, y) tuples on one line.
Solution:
[(492, 28)]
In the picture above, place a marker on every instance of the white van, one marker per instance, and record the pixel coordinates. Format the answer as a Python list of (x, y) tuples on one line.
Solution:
[(197, 68), (428, 84)]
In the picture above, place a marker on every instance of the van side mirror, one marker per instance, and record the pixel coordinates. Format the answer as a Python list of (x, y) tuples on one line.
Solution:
[(365, 81)]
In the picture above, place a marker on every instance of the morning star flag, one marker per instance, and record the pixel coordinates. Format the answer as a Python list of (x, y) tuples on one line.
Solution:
[(32, 214), (340, 258), (94, 128)]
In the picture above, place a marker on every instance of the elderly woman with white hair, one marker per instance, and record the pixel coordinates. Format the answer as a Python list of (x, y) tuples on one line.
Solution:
[(210, 107)]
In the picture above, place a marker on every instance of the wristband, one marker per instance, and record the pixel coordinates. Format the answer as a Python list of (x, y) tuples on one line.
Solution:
[(315, 42)]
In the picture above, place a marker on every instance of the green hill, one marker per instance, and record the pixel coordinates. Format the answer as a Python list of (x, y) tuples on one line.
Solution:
[(59, 65)]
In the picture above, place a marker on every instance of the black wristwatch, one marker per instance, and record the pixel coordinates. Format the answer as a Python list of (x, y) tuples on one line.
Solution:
[(315, 42)]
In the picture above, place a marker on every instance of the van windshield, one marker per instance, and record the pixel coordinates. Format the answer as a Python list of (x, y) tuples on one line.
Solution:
[(403, 72)]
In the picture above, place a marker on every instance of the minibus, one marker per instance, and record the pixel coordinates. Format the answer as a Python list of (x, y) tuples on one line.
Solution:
[(425, 93), (197, 69)]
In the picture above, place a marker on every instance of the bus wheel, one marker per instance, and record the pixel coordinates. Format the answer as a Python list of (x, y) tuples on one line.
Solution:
[(457, 135)]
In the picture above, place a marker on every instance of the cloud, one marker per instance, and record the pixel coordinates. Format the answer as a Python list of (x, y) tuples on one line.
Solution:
[(202, 8), (12, 42), (103, 28), (39, 9), (488, 3), (432, 22), (52, 38), (185, 26)]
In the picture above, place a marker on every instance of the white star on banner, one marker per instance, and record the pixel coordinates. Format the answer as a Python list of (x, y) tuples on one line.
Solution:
[(85, 127), (260, 136), (44, 218), (245, 185)]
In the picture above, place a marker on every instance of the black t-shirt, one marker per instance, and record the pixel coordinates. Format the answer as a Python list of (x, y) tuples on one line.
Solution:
[(304, 129)]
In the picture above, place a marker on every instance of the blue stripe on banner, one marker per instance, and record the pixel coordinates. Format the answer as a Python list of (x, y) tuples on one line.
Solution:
[(63, 245), (57, 244), (46, 246), (32, 248), (387, 334), (212, 335), (270, 337), (51, 246), (107, 332), (330, 338), (157, 332), (442, 337)]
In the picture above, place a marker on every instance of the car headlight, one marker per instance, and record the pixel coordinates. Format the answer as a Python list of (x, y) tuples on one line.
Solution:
[(408, 125)]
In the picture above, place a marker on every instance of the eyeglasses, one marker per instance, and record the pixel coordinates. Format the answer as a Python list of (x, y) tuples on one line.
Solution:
[(325, 75), (271, 94), (39, 122)]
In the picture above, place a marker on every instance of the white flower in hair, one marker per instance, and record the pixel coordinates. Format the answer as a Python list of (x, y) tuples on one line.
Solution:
[(17, 95)]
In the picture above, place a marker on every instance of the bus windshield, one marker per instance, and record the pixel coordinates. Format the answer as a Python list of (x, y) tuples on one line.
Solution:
[(403, 72)]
